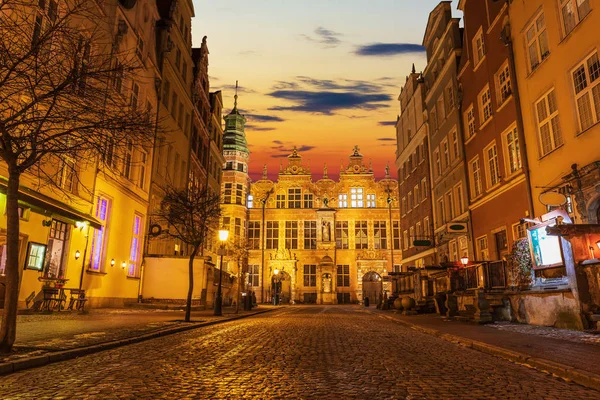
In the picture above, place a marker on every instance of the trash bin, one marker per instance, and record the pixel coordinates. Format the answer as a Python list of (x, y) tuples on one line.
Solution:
[(366, 302)]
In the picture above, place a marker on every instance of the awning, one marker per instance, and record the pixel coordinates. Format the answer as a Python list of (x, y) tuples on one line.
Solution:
[(46, 205)]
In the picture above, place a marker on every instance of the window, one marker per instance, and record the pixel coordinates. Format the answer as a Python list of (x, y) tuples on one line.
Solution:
[(308, 200), (166, 92), (548, 123), (272, 235), (396, 235), (426, 226), (253, 275), (441, 212), (343, 276), (537, 42), (503, 88), (310, 235), (416, 195), (237, 228), (437, 162), (127, 160), (250, 201), (478, 48), (174, 105), (280, 201), (36, 254), (99, 235), (459, 199), (142, 165), (587, 91), (449, 204), (135, 93), (343, 200), (446, 153), (513, 154), (66, 177), (404, 206), (470, 121), (441, 113), (239, 193), (573, 11), (356, 198), (493, 169), (463, 246), (310, 275), (139, 49), (482, 249), (291, 234), (455, 144), (178, 58), (45, 20), (341, 234), (433, 119), (449, 98), (475, 176), (360, 235), (485, 105), (411, 233), (410, 201), (294, 198), (453, 250), (380, 234), (227, 193), (254, 235), (424, 188), (184, 71), (520, 231), (371, 200), (405, 240), (135, 247)]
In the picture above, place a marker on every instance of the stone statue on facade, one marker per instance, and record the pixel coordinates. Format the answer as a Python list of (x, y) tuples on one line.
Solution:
[(326, 230)]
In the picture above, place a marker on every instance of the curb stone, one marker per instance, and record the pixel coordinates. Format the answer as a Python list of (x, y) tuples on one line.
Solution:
[(64, 355), (566, 372)]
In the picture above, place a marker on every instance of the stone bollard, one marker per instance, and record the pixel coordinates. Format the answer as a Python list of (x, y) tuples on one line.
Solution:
[(482, 308), (451, 305)]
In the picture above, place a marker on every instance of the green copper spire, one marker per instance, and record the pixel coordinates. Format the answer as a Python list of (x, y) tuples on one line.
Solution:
[(234, 137)]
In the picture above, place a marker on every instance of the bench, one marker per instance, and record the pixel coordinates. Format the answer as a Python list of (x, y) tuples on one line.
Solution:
[(52, 299), (77, 300)]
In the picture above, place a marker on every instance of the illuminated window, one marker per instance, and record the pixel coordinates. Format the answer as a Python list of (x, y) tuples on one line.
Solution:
[(503, 88), (485, 105), (343, 276), (548, 123), (493, 168), (280, 201), (308, 200), (371, 200), (310, 235), (237, 228), (341, 234), (572, 12), (294, 198), (361, 240), (254, 235), (537, 41), (66, 177), (513, 154), (520, 231), (99, 234), (253, 275), (343, 200), (587, 91), (380, 234), (470, 121), (356, 198), (36, 255), (227, 193), (310, 275), (291, 234), (142, 165), (475, 177), (478, 48), (250, 202), (272, 229), (483, 253), (135, 247)]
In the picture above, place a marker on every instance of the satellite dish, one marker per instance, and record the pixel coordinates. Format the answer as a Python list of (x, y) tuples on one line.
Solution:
[(553, 199)]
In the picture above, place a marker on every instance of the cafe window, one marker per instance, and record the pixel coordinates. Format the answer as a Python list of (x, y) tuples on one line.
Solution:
[(99, 235), (36, 254)]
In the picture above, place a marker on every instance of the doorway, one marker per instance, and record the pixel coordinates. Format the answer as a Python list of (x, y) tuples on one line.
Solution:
[(372, 286), (281, 288)]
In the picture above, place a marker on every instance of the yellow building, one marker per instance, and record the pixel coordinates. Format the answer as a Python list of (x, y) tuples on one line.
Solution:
[(87, 232), (556, 45), (323, 241)]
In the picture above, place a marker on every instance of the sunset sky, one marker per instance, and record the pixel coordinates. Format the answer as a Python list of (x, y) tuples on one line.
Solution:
[(321, 75)]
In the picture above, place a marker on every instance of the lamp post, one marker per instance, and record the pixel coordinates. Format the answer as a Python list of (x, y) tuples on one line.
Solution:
[(464, 261), (276, 287), (223, 235)]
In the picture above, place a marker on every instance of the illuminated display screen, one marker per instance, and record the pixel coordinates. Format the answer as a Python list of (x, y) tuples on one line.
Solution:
[(546, 251)]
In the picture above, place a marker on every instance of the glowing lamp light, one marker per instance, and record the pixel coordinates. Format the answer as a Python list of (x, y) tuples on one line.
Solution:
[(598, 244), (464, 260), (276, 272), (77, 254), (223, 235), (112, 262), (123, 264)]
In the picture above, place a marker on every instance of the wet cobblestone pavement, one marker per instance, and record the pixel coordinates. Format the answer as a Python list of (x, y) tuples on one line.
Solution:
[(339, 352)]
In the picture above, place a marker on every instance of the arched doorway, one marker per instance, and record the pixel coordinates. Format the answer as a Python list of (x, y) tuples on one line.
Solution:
[(281, 288), (372, 286)]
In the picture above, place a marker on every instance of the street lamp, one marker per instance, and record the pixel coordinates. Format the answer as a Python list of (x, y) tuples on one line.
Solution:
[(276, 287), (464, 261), (223, 235)]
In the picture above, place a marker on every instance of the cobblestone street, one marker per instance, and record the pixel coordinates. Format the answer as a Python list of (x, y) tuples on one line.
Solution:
[(340, 352)]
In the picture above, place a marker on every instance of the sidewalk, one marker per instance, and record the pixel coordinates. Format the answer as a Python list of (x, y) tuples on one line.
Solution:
[(569, 354), (40, 334)]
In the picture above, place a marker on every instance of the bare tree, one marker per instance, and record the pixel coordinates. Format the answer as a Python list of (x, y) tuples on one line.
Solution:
[(192, 215), (64, 106)]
